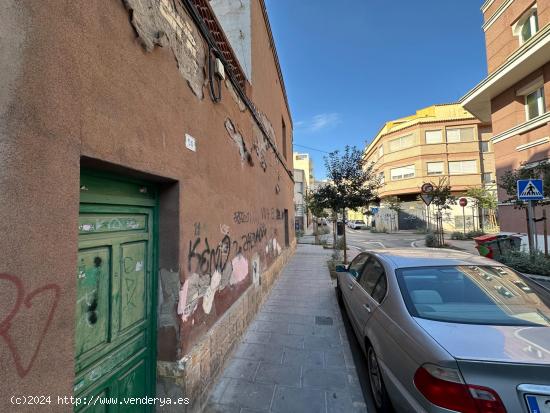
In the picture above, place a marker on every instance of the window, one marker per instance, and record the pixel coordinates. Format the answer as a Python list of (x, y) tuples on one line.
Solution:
[(534, 104), (356, 267), (527, 26), (460, 135), (381, 151), (435, 168), (401, 143), (373, 279), (284, 137), (487, 178), (485, 146), (381, 177), (403, 172), (484, 295), (434, 136), (462, 167)]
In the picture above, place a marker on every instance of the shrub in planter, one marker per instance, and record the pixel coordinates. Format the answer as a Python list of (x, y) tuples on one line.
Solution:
[(537, 264), (431, 240), (475, 233), (458, 235)]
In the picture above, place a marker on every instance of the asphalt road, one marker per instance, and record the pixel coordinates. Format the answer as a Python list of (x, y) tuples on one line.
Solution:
[(362, 239)]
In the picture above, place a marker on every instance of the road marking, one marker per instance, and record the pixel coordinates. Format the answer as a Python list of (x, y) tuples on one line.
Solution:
[(413, 244), (357, 248), (375, 242)]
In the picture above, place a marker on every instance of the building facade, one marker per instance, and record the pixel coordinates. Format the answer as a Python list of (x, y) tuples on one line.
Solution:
[(515, 95), (441, 141), (300, 217), (146, 182), (304, 162)]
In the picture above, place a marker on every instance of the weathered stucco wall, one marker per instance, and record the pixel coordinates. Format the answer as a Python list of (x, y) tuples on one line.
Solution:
[(117, 85), (235, 18)]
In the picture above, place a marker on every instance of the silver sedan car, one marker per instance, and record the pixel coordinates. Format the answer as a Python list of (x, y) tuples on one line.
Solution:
[(446, 331)]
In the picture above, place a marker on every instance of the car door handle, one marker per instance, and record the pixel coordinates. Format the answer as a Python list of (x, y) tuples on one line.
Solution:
[(350, 286), (367, 307)]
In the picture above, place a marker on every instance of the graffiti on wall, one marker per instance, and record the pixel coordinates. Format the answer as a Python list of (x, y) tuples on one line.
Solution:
[(215, 265), (265, 214), (26, 302)]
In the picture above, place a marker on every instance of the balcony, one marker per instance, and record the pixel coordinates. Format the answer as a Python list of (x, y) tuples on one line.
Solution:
[(529, 57)]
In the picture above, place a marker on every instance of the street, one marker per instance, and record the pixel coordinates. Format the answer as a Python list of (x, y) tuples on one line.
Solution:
[(362, 240)]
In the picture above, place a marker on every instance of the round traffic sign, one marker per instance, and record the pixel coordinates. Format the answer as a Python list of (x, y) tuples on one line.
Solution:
[(427, 188), (463, 202)]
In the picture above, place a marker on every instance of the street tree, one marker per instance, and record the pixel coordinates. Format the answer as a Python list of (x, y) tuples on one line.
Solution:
[(351, 183), (508, 181), (442, 199), (484, 200), (317, 209)]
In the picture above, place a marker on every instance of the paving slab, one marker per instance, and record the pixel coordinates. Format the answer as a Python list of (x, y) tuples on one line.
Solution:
[(295, 356)]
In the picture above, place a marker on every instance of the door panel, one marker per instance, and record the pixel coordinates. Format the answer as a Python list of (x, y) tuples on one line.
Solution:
[(133, 284), (92, 305), (115, 294), (133, 384), (371, 289), (98, 407)]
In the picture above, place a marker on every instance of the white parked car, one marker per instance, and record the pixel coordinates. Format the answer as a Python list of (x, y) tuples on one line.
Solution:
[(357, 224)]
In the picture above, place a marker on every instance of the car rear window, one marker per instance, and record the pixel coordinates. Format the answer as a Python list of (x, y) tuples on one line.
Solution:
[(489, 295)]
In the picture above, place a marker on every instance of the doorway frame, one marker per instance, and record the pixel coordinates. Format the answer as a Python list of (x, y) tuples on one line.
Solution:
[(128, 201)]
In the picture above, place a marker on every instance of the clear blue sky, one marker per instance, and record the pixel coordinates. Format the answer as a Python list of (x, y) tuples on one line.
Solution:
[(351, 65)]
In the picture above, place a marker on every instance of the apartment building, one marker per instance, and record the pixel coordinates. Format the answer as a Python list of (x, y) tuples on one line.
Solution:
[(300, 214), (147, 194), (515, 95), (437, 141), (304, 162)]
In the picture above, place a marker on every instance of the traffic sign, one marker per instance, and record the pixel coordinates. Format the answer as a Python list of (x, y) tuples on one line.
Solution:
[(427, 199), (530, 189), (427, 188), (463, 202)]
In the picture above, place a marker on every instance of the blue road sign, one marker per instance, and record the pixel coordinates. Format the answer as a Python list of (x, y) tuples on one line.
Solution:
[(530, 189)]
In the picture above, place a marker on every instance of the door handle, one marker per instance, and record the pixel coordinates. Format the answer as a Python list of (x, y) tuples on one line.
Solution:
[(367, 307), (350, 286)]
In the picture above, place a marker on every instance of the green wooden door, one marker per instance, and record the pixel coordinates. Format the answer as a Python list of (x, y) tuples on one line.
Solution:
[(114, 342)]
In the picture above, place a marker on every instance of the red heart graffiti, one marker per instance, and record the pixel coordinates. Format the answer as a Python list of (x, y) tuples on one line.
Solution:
[(21, 299)]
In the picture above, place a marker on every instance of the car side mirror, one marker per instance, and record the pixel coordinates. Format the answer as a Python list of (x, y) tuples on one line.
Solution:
[(341, 268)]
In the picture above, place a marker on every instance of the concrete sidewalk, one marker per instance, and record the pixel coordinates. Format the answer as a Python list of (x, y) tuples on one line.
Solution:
[(295, 356)]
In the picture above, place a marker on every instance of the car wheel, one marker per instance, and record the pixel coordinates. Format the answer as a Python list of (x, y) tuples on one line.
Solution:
[(377, 387)]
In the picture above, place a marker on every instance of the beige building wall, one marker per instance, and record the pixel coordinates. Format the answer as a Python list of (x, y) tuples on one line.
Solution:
[(304, 162), (425, 155)]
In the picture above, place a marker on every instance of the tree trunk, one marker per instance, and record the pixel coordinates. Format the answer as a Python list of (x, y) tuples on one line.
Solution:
[(334, 227), (345, 242), (316, 231), (480, 212)]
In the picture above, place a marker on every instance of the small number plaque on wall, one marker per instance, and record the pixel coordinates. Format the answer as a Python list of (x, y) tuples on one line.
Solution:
[(190, 143)]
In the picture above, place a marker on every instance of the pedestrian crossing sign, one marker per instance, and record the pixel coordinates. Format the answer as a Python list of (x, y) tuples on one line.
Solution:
[(530, 189)]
